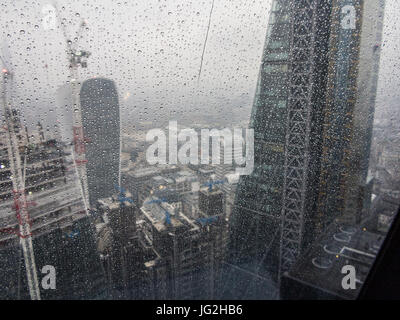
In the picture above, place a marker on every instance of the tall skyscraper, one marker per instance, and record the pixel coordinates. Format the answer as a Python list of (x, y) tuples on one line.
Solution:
[(101, 129), (351, 94), (308, 120)]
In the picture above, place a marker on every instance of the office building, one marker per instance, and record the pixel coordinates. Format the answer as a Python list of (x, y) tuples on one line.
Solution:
[(312, 129), (101, 130), (64, 112), (186, 252), (135, 180), (118, 245)]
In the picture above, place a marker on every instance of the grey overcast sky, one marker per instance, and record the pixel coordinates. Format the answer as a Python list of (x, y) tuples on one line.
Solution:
[(152, 50)]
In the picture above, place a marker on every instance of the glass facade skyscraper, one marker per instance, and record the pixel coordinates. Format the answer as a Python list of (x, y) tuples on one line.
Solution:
[(304, 108), (101, 129)]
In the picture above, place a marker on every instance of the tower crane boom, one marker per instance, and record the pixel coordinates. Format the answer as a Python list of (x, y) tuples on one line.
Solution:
[(77, 58)]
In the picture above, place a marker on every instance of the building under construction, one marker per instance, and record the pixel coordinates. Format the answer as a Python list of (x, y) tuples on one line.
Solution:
[(62, 235), (186, 253), (165, 255), (120, 252)]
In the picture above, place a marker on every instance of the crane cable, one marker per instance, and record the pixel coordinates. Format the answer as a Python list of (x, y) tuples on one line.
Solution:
[(205, 42)]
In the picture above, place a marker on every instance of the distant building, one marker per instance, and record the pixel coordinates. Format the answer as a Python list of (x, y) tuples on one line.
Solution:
[(204, 172), (135, 180), (227, 158), (101, 129), (211, 202), (171, 185), (187, 253), (121, 256), (190, 204), (125, 160), (229, 188), (64, 110), (384, 208)]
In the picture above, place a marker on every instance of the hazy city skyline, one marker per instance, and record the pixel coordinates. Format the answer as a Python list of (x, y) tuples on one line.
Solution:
[(152, 50), (97, 200)]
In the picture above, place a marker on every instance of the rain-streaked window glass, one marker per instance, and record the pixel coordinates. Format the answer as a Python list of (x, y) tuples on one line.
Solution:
[(216, 149)]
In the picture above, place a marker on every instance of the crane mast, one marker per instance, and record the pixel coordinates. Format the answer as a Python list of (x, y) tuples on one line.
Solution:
[(77, 58), (79, 141)]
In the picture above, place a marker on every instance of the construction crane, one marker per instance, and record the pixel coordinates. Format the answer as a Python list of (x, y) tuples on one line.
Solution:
[(210, 184), (156, 201), (207, 220), (205, 43), (18, 183), (73, 234), (77, 58), (122, 195), (167, 215), (166, 212)]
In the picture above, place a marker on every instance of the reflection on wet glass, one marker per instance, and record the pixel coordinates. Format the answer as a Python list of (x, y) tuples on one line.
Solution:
[(135, 162)]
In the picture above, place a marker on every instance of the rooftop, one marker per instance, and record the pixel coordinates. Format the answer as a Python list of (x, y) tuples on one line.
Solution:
[(320, 267)]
